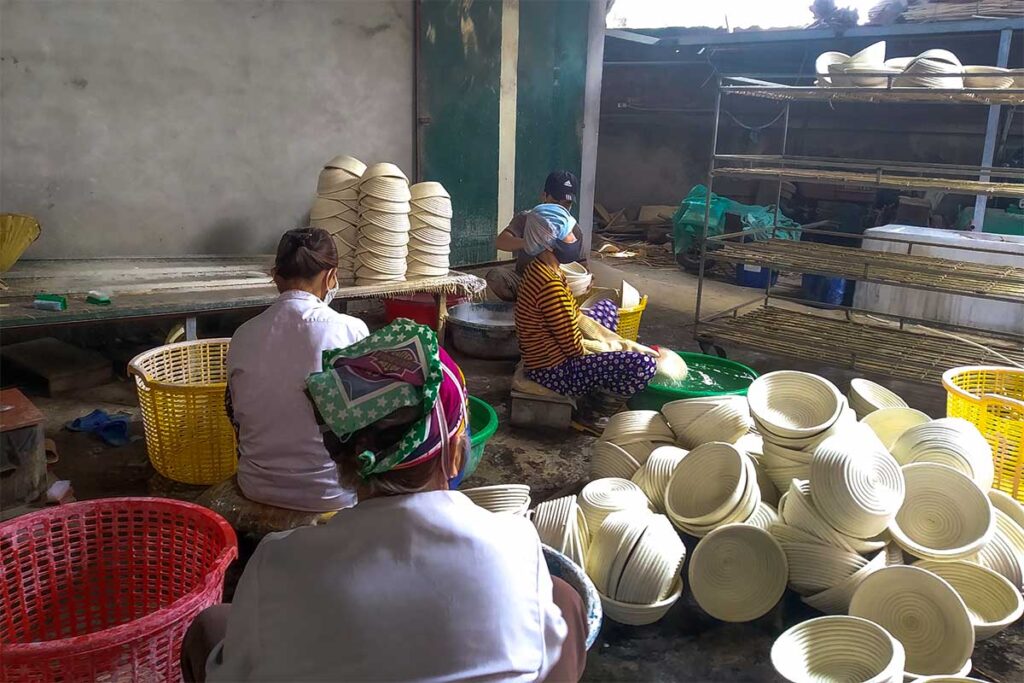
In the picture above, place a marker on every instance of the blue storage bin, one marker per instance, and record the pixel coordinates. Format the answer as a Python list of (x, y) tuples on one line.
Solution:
[(754, 276), (824, 289)]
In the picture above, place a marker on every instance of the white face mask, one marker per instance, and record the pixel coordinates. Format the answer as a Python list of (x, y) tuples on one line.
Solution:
[(331, 293)]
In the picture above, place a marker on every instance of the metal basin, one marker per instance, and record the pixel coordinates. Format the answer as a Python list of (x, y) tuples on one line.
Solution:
[(484, 330)]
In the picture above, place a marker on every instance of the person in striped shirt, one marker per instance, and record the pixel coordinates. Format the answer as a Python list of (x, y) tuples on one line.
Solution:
[(546, 322)]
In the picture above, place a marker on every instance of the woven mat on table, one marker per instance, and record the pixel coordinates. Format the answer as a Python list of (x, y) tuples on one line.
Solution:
[(454, 282)]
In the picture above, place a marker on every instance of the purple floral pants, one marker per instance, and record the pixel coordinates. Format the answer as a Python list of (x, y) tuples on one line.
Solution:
[(619, 372)]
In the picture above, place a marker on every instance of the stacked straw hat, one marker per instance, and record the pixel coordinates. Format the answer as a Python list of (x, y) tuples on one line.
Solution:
[(794, 412), (431, 225), (866, 397), (738, 572), (513, 498), (838, 648), (695, 421), (714, 485), (562, 525), (336, 210), (924, 612), (950, 441), (627, 442), (383, 232), (634, 561)]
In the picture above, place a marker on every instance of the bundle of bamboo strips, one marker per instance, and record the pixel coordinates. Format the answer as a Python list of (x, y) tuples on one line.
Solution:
[(950, 10), (864, 346), (926, 272)]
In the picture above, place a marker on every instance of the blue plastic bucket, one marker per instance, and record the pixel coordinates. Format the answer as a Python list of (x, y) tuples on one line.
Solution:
[(754, 276), (823, 289)]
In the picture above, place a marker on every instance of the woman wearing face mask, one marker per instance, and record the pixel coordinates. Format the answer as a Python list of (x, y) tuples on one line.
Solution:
[(282, 460)]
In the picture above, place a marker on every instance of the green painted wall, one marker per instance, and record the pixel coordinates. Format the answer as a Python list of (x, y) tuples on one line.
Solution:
[(460, 66), (549, 104), (459, 83)]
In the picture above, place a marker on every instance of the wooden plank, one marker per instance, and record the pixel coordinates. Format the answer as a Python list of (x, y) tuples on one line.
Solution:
[(656, 213), (62, 366), (166, 288), (16, 411)]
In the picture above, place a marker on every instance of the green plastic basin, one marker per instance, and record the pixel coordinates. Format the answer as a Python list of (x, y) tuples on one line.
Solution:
[(483, 422), (707, 376)]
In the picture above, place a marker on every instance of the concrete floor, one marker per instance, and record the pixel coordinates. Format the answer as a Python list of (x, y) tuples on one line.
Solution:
[(685, 646)]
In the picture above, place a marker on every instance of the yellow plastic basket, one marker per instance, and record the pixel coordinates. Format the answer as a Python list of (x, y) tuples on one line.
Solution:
[(181, 393), (992, 397), (629, 320)]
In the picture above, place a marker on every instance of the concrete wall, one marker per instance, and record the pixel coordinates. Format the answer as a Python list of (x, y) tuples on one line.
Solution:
[(164, 127)]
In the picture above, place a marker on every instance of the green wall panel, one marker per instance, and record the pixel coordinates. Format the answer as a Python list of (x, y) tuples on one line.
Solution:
[(549, 104), (459, 76)]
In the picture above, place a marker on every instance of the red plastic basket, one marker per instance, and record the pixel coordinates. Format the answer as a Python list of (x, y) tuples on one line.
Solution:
[(105, 589)]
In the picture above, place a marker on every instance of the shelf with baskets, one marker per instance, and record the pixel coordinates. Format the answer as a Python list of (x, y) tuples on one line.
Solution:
[(845, 335), (891, 94)]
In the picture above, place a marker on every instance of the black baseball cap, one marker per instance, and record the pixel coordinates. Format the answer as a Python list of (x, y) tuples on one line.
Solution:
[(562, 185)]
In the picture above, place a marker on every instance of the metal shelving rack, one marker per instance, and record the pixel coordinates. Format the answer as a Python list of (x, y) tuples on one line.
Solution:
[(855, 338)]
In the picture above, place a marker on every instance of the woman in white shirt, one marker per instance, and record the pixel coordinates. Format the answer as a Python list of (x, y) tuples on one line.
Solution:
[(282, 460), (415, 583)]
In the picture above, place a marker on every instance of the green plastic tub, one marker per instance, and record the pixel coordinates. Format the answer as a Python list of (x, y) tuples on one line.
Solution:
[(483, 422), (708, 376)]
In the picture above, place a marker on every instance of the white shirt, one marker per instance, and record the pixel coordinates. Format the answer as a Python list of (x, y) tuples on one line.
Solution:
[(282, 459), (425, 587)]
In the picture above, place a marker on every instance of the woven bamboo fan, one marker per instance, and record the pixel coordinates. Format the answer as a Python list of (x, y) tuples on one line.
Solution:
[(17, 232)]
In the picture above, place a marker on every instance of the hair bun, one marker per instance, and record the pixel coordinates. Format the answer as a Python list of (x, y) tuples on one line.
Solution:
[(304, 253)]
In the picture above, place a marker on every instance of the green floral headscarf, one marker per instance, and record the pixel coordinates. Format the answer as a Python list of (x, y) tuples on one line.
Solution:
[(395, 367)]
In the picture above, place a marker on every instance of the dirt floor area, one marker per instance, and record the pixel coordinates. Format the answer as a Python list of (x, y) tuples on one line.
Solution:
[(685, 646)]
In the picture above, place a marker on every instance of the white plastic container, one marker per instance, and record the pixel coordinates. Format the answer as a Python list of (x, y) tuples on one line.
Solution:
[(983, 314)]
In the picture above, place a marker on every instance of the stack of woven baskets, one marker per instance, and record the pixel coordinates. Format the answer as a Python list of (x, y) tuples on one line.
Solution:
[(383, 233), (385, 230), (634, 561), (512, 498), (431, 225), (336, 210), (890, 519)]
